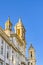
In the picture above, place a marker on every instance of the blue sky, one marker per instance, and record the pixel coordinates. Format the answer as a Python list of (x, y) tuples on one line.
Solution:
[(31, 12)]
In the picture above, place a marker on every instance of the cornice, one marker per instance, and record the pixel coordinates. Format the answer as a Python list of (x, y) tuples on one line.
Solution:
[(32, 59)]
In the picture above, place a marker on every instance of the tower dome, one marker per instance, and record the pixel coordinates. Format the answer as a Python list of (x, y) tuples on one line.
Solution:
[(8, 27), (31, 47)]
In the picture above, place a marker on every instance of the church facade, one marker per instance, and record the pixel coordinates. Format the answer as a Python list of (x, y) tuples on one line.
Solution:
[(13, 46)]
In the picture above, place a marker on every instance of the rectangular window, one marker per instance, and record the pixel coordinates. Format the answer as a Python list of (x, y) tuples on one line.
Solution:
[(7, 51), (2, 50), (12, 56), (2, 47), (7, 55)]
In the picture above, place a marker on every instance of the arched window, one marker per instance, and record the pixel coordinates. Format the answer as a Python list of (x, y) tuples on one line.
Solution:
[(31, 54), (18, 31)]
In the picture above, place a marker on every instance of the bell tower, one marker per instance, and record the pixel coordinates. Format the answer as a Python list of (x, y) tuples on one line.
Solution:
[(20, 30), (32, 59), (8, 27)]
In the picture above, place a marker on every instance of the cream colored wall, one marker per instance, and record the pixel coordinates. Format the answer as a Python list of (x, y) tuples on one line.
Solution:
[(18, 58)]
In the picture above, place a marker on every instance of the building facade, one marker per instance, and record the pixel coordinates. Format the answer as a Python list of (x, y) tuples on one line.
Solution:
[(13, 46)]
